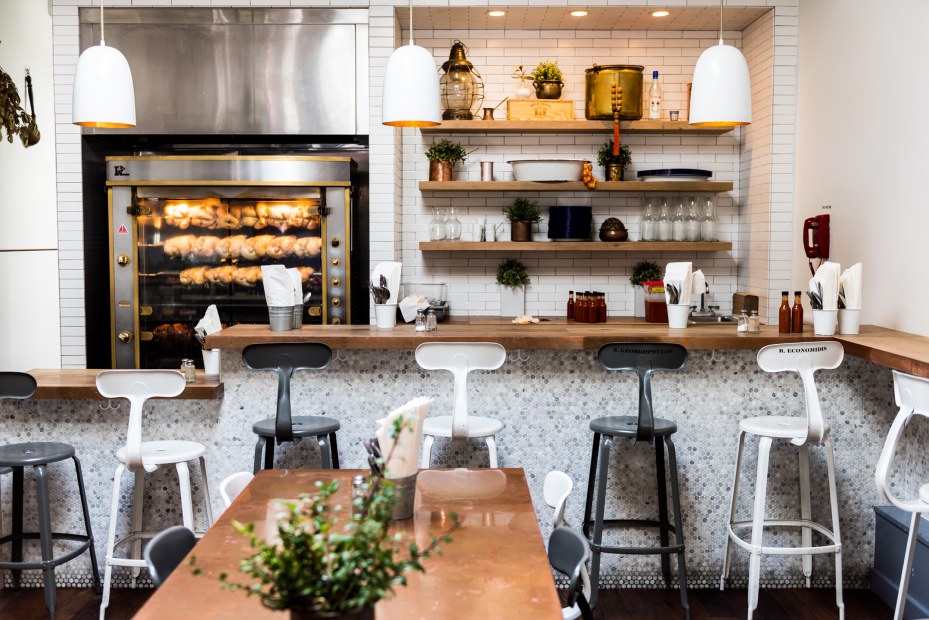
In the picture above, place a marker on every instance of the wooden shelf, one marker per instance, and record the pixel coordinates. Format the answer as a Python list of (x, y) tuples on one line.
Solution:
[(575, 186), (575, 246), (631, 127), (80, 384)]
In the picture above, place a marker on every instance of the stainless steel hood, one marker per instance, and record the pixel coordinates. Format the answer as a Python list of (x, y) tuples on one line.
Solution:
[(241, 71)]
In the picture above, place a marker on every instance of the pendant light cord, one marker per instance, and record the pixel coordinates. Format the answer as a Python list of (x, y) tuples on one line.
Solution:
[(720, 19), (411, 21), (102, 38)]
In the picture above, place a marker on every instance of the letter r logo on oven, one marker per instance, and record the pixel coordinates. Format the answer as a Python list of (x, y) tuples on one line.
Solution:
[(120, 171)]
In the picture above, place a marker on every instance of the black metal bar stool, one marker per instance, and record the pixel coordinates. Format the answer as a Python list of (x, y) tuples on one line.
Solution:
[(38, 455), (285, 358), (644, 359)]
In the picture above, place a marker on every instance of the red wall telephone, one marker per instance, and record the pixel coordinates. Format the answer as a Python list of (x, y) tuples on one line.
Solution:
[(816, 239)]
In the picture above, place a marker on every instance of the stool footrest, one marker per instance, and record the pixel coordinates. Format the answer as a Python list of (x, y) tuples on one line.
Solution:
[(831, 548), (85, 541), (623, 523)]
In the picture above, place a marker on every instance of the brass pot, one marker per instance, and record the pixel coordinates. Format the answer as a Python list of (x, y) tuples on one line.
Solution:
[(615, 172), (440, 170), (548, 89), (599, 81), (520, 230)]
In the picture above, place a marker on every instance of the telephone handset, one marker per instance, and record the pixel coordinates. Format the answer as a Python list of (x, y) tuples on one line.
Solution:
[(816, 239)]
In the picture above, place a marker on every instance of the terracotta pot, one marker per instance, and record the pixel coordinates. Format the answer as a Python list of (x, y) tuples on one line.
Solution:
[(312, 614), (548, 89), (615, 172), (440, 170), (520, 230)]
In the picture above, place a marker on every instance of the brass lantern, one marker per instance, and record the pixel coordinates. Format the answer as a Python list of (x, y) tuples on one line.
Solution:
[(462, 88)]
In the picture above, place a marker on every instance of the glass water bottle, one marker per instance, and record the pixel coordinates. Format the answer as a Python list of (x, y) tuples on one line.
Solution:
[(664, 221), (452, 225), (708, 222), (648, 220), (437, 225), (692, 221), (678, 220)]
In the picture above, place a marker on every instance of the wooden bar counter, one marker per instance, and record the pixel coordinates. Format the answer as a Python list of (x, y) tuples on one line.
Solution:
[(80, 383), (885, 347)]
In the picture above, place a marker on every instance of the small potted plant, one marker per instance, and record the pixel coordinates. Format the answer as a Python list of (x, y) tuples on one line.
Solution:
[(614, 166), (643, 271), (546, 78), (442, 156), (512, 278), (522, 214)]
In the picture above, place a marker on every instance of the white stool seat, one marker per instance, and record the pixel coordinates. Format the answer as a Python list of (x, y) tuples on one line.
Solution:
[(924, 493), (777, 427), (165, 452), (441, 426)]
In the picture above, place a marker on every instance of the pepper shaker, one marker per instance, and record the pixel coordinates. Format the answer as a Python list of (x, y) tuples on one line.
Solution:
[(189, 370), (420, 320), (431, 324)]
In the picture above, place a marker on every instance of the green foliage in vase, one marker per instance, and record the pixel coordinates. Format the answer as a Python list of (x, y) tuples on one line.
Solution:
[(512, 273), (605, 155), (522, 209), (547, 71), (446, 150), (645, 271)]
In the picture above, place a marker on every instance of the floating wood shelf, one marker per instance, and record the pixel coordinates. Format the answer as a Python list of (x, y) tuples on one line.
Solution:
[(631, 127), (575, 186), (575, 246)]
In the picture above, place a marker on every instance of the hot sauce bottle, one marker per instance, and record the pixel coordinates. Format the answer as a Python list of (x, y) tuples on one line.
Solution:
[(796, 314), (783, 315), (570, 305)]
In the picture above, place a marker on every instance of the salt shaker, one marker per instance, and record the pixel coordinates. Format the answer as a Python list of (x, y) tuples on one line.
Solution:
[(189, 370), (420, 320), (359, 491), (431, 324), (743, 322), (754, 323)]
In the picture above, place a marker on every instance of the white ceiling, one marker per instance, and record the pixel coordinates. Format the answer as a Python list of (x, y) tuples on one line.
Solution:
[(559, 18)]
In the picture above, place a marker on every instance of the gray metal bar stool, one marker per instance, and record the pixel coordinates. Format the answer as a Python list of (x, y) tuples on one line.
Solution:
[(285, 358), (644, 359), (38, 455)]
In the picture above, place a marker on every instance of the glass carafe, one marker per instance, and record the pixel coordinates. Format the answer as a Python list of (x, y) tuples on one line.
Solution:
[(678, 219), (437, 225), (648, 220), (692, 221), (708, 221), (452, 225), (664, 221)]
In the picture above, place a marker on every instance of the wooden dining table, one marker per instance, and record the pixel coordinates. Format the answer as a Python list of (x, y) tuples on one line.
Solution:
[(495, 567)]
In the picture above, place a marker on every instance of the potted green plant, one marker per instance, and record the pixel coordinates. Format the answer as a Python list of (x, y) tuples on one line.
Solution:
[(522, 214), (642, 272), (323, 565), (442, 156), (547, 80), (512, 278), (614, 166)]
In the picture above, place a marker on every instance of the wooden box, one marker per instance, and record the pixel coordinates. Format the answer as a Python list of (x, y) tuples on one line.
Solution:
[(539, 110)]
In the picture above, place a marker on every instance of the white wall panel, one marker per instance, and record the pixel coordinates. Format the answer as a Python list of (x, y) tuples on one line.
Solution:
[(29, 323)]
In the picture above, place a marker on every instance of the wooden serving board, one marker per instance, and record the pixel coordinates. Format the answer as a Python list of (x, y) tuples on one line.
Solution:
[(539, 110)]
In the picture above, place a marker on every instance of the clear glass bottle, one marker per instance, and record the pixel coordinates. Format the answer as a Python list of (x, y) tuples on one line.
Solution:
[(431, 323), (452, 225), (420, 320), (678, 222), (189, 370), (708, 221), (664, 221), (692, 221), (654, 99), (359, 491), (648, 220), (437, 225)]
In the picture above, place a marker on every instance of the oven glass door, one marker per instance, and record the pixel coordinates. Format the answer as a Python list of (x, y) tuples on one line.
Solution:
[(197, 251)]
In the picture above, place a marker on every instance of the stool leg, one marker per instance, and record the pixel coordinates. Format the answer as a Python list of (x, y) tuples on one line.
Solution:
[(90, 534), (907, 566), (111, 539), (806, 534), (258, 446), (334, 448), (45, 535), (16, 550), (735, 496), (662, 509), (208, 505), (269, 452), (834, 500), (761, 489), (187, 504), (138, 502), (428, 440), (492, 450), (678, 525), (591, 479), (606, 442), (325, 454)]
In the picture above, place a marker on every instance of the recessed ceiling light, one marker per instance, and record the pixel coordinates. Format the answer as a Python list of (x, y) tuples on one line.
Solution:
[(496, 13), (660, 14), (578, 13)]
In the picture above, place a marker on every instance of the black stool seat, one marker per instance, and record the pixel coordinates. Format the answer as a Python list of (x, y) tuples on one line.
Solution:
[(627, 426), (304, 426), (34, 453)]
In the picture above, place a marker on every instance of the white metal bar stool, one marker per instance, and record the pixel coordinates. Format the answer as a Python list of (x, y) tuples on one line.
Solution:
[(804, 359), (460, 358), (912, 396), (146, 456)]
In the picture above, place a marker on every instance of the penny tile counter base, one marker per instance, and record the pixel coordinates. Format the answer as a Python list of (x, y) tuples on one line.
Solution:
[(546, 402)]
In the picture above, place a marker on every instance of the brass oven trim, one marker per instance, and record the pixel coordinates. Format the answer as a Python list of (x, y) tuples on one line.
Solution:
[(110, 242), (347, 214)]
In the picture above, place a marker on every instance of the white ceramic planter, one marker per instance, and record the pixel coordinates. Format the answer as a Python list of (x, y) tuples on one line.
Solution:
[(638, 301), (512, 301)]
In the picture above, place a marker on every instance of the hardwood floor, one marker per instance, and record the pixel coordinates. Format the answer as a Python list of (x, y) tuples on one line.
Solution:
[(83, 604)]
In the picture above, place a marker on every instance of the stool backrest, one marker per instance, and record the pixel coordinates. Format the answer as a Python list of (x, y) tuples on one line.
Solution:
[(912, 396), (166, 550), (284, 358), (233, 484), (18, 385), (567, 553), (644, 358), (804, 358), (555, 489), (138, 386), (460, 358)]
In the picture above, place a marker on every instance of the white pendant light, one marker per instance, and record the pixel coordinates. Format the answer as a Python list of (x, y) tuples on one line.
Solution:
[(721, 95), (103, 95), (411, 87)]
